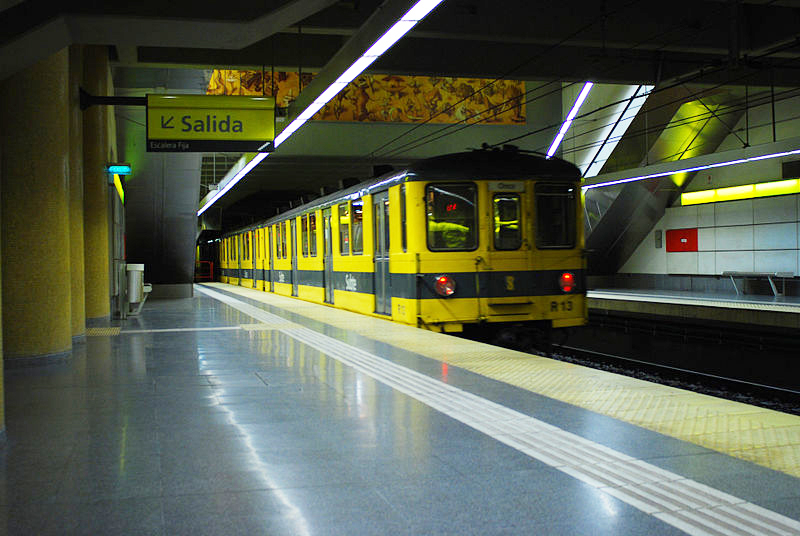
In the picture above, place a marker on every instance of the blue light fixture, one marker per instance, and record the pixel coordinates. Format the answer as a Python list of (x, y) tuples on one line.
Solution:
[(119, 169)]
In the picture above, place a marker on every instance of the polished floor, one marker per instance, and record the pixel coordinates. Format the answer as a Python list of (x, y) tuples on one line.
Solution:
[(223, 414)]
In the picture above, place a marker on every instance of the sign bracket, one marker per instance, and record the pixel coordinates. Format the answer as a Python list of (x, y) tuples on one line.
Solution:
[(87, 100)]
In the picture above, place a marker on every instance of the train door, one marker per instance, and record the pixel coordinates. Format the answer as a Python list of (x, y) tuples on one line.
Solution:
[(271, 249), (251, 238), (293, 222), (383, 288), (327, 255), (240, 254), (256, 271)]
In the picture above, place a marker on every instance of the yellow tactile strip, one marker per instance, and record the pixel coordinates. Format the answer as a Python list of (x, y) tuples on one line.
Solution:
[(762, 436), (103, 332)]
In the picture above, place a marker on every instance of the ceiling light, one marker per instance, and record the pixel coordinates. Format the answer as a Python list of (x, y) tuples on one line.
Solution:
[(690, 169), (417, 12), (570, 116), (617, 127), (236, 178), (746, 191)]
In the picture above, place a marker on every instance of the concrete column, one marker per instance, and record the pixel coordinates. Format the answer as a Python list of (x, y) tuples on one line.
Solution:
[(95, 188), (34, 112), (76, 196)]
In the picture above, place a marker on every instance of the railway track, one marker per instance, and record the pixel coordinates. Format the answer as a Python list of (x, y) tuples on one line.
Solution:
[(758, 394), (729, 361)]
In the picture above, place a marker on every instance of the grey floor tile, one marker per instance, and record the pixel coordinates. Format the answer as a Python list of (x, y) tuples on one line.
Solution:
[(126, 516), (229, 432)]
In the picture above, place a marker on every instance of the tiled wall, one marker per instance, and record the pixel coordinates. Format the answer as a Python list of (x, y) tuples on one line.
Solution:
[(749, 235)]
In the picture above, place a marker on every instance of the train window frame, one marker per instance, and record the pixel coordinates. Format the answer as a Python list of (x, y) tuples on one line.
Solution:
[(473, 230), (357, 226), (344, 228), (568, 221), (304, 233), (312, 230), (498, 226)]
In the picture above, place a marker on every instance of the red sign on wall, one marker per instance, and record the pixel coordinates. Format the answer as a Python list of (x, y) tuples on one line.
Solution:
[(682, 240)]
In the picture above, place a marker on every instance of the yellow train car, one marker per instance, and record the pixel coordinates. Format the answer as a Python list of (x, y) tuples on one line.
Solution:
[(482, 237)]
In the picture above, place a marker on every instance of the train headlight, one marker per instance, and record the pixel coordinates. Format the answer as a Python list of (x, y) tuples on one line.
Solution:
[(445, 286), (567, 281)]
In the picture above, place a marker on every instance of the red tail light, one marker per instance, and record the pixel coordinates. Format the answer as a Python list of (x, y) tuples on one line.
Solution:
[(445, 286), (567, 282)]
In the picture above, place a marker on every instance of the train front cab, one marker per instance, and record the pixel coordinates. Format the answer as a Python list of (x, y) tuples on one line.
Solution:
[(492, 251)]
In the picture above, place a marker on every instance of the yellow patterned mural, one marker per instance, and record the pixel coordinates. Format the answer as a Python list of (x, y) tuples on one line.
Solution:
[(390, 98)]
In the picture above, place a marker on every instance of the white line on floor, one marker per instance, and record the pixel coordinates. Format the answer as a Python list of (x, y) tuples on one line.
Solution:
[(681, 502)]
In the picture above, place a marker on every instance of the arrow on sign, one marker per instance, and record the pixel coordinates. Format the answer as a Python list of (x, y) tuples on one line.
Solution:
[(166, 124)]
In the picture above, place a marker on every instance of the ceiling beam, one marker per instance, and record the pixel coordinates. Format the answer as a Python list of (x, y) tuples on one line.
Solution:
[(64, 30)]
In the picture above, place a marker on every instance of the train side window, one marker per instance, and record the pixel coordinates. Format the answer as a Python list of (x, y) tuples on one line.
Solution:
[(555, 215), (358, 226), (304, 232), (452, 216), (283, 240), (403, 217), (312, 229), (344, 228), (279, 241), (507, 229)]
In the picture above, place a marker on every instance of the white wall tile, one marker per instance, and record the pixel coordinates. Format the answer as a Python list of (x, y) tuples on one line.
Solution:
[(647, 259), (782, 208), (734, 238), (734, 261), (734, 212), (706, 262), (776, 261), (775, 236), (706, 239), (682, 262), (681, 217), (705, 215)]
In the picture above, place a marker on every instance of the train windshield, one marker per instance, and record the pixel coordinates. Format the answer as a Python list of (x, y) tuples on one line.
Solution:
[(452, 216), (507, 230), (555, 215)]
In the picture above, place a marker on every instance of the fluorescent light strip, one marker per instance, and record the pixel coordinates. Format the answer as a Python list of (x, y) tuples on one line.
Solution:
[(417, 12), (746, 191), (618, 128), (392, 35), (570, 116), (690, 169), (236, 178)]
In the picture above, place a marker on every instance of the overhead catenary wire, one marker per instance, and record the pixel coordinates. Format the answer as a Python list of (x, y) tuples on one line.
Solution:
[(457, 127)]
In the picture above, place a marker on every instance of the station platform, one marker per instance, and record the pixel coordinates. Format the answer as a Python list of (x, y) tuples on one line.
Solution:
[(242, 412), (759, 310)]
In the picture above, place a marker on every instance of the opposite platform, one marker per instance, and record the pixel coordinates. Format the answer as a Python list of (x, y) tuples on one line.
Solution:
[(772, 311)]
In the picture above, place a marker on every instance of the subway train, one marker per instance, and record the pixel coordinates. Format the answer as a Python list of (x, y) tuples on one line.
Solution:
[(462, 240)]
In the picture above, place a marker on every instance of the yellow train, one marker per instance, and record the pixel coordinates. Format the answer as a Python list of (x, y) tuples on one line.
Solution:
[(485, 236)]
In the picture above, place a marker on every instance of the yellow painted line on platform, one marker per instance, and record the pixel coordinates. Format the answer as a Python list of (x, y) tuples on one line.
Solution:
[(103, 332), (763, 436)]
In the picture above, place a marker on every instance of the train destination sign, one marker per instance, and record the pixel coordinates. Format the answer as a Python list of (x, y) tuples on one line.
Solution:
[(201, 123)]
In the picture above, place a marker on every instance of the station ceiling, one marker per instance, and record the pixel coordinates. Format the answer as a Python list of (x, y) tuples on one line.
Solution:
[(158, 46)]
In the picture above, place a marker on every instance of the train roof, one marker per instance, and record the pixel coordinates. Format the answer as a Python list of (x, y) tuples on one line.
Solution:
[(480, 164)]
